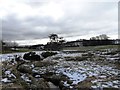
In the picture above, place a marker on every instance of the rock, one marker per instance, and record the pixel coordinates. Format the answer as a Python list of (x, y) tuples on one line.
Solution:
[(78, 58), (36, 74), (89, 54), (40, 84), (84, 84), (30, 83), (53, 86), (32, 56), (17, 58), (57, 79), (62, 86), (47, 54), (24, 68), (5, 80), (11, 86), (44, 63), (26, 78), (52, 77)]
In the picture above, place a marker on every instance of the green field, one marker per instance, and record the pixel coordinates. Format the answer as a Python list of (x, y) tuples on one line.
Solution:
[(81, 48), (84, 48), (14, 51)]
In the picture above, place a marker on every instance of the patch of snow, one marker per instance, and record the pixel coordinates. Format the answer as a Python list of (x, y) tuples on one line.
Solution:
[(37, 76), (71, 54), (5, 80), (109, 84), (94, 81), (12, 75), (32, 66), (25, 78), (4, 57), (116, 82), (66, 84), (105, 86), (7, 72), (102, 76), (71, 86), (112, 58), (69, 50), (33, 70), (90, 74), (94, 87), (76, 77), (116, 86)]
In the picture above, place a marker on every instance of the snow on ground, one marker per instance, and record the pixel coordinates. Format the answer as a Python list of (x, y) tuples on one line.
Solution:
[(77, 71), (5, 80), (25, 78), (10, 56), (70, 54), (75, 76)]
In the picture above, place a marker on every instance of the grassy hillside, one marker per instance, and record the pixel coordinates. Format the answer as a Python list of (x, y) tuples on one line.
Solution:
[(84, 48)]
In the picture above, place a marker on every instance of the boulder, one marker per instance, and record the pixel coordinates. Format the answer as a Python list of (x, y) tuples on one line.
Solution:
[(47, 54), (77, 58), (40, 84), (31, 56), (56, 78), (24, 68)]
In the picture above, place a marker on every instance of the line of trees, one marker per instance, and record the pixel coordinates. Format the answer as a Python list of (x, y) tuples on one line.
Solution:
[(100, 37), (8, 43)]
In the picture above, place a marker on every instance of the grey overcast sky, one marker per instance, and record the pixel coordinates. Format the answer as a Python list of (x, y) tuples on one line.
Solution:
[(31, 21)]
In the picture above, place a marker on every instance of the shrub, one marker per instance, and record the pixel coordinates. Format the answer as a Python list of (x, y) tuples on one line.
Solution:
[(47, 54)]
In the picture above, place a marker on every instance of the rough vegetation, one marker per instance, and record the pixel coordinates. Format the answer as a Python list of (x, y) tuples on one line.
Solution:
[(47, 54), (31, 56), (65, 71)]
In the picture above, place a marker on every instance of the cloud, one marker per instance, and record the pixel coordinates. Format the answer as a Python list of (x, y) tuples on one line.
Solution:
[(28, 19)]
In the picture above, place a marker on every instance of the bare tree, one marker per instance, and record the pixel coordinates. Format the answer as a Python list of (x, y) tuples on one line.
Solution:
[(61, 40), (53, 37)]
